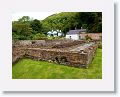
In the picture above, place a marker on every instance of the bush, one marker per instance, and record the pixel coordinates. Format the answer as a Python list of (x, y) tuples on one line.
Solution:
[(88, 38), (100, 45), (39, 36)]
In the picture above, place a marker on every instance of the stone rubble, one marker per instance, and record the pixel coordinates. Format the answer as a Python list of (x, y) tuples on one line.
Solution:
[(65, 52)]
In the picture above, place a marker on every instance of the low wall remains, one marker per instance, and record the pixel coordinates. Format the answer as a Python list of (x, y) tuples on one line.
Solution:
[(17, 53), (75, 59), (39, 43), (64, 52)]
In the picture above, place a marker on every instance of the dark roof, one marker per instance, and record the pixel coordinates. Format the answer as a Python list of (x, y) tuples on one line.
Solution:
[(76, 31)]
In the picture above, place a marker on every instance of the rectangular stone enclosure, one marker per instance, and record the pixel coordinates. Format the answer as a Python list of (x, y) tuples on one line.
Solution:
[(65, 52)]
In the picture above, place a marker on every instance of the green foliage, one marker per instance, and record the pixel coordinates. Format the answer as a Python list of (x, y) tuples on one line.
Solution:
[(88, 37), (24, 19), (25, 27), (36, 25), (21, 31), (39, 36), (100, 45), (15, 36), (84, 26), (63, 21), (92, 21), (30, 69)]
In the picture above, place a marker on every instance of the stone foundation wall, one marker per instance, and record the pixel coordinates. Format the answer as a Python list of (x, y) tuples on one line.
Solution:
[(39, 43), (68, 44), (17, 53), (75, 58), (90, 53), (60, 57)]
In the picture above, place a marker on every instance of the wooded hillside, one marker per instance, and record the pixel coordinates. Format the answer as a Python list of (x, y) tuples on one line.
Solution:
[(27, 28)]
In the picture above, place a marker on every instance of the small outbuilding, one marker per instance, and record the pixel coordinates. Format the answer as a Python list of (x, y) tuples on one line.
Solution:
[(75, 34)]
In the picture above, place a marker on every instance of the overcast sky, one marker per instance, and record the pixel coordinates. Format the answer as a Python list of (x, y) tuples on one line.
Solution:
[(34, 15)]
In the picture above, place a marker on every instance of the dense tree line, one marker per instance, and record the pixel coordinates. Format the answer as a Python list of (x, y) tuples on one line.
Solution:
[(27, 28)]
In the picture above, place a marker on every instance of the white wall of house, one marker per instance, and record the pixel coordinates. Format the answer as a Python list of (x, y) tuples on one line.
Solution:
[(73, 36), (59, 34)]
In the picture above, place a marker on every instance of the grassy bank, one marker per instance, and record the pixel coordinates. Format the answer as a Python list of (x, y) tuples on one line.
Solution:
[(30, 69)]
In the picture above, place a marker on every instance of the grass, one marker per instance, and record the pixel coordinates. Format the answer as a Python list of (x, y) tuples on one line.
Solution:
[(31, 69)]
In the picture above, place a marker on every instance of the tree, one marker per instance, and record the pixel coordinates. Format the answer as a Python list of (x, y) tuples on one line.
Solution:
[(39, 36), (26, 28), (21, 31), (36, 26), (24, 19)]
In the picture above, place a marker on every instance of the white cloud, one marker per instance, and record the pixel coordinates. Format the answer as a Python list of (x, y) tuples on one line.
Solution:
[(34, 15)]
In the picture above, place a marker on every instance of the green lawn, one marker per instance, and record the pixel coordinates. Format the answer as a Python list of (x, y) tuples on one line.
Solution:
[(30, 69)]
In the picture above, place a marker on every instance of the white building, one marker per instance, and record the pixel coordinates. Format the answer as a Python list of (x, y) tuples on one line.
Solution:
[(75, 34), (55, 33)]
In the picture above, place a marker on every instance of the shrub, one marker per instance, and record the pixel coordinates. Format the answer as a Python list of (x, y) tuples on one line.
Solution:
[(100, 45), (39, 36), (88, 37)]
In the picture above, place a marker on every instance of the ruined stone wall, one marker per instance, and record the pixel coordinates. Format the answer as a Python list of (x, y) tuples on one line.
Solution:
[(39, 43), (76, 59), (17, 53), (61, 56), (19, 47), (68, 44), (29, 42), (90, 53)]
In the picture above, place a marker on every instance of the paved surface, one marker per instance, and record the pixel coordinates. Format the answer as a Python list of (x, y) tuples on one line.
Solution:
[(86, 45)]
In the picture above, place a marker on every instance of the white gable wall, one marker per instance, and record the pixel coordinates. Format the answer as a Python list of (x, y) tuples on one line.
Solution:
[(73, 36), (59, 34)]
